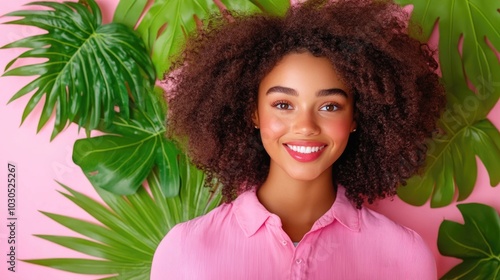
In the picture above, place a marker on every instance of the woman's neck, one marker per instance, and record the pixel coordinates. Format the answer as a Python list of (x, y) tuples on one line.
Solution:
[(299, 204)]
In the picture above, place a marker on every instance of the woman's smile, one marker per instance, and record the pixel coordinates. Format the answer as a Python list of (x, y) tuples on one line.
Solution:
[(304, 152)]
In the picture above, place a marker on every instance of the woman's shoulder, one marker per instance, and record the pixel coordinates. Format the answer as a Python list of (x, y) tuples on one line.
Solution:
[(211, 220), (387, 229), (370, 223), (187, 239), (373, 220), (400, 243)]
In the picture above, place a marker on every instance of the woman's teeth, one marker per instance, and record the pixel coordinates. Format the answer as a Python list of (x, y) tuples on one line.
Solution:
[(305, 149)]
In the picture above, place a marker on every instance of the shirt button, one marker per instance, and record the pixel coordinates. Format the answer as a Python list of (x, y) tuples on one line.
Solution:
[(298, 261), (284, 242)]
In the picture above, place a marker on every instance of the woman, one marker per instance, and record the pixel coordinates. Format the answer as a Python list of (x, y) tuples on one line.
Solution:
[(303, 119)]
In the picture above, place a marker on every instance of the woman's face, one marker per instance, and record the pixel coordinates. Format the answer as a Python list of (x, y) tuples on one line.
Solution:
[(305, 116)]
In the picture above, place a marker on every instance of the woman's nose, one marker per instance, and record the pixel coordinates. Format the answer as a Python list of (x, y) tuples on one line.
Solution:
[(306, 124)]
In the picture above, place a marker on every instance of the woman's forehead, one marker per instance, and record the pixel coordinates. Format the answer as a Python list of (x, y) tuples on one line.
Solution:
[(301, 72)]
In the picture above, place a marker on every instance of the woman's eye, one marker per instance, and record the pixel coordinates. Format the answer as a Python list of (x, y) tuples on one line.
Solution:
[(330, 108), (282, 105)]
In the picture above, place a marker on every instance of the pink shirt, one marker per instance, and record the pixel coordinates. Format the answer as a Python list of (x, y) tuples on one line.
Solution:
[(242, 240)]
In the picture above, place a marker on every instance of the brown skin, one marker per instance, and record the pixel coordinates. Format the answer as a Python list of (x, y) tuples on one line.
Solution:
[(300, 190), (298, 207), (397, 96)]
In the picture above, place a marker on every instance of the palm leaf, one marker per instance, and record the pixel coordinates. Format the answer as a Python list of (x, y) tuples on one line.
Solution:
[(89, 70), (466, 132), (165, 24), (130, 227)]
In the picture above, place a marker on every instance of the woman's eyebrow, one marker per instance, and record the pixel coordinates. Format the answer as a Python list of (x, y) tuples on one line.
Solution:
[(285, 90), (323, 92), (332, 91)]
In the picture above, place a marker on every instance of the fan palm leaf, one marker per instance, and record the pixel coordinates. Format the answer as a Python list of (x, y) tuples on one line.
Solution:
[(89, 70), (130, 227)]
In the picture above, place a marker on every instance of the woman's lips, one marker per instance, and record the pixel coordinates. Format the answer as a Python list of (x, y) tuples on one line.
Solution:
[(304, 152)]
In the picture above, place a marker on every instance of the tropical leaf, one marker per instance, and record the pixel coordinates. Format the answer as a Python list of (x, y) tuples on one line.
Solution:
[(476, 242), (130, 227), (120, 161), (273, 7), (474, 21), (451, 159), (90, 68), (165, 24)]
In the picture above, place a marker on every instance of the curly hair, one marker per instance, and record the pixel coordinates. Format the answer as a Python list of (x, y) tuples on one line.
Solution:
[(397, 94)]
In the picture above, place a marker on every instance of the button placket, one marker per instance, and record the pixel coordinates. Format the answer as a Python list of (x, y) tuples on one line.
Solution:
[(298, 269), (300, 259)]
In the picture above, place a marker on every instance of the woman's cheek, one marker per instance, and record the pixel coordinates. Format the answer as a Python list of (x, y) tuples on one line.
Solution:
[(272, 127), (342, 129)]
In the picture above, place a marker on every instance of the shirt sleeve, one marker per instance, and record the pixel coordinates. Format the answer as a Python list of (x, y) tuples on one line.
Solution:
[(422, 264), (167, 255)]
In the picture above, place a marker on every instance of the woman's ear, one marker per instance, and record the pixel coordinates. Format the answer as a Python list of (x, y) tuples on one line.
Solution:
[(354, 124), (255, 119)]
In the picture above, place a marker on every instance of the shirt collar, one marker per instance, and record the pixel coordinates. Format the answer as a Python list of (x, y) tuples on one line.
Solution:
[(251, 214), (343, 211)]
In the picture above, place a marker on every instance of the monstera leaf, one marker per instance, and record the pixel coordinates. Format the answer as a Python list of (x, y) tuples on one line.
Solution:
[(477, 242), (465, 130), (474, 21), (120, 161), (166, 23), (130, 227), (451, 161), (89, 70)]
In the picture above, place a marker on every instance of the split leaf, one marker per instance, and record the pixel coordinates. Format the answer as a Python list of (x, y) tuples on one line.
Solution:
[(121, 161), (451, 160), (466, 131), (476, 242)]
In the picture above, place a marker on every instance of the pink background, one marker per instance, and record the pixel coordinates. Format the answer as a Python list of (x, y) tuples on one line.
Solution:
[(40, 163)]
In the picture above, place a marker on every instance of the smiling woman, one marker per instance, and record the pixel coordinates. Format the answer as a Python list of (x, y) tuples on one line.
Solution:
[(303, 119)]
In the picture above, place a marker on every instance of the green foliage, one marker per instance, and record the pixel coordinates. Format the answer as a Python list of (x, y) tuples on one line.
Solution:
[(120, 161), (130, 227), (470, 20), (102, 76), (451, 161), (465, 131), (477, 242), (272, 7), (166, 23), (89, 69)]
